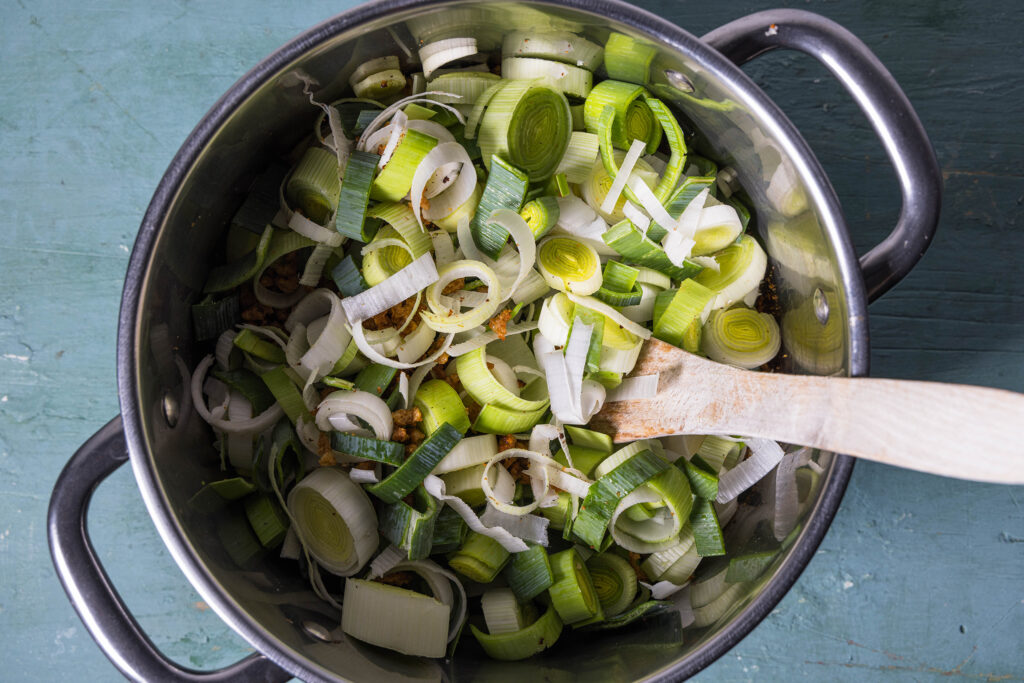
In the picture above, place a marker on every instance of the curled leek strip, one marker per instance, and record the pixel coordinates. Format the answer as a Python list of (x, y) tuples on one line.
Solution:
[(441, 318), (569, 265), (742, 337), (529, 125), (366, 406), (335, 520)]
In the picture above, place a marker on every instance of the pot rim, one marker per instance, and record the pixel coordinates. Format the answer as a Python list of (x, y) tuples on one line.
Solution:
[(785, 133)]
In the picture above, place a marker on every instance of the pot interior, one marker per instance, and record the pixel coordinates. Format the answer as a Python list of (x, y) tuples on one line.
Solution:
[(264, 119)]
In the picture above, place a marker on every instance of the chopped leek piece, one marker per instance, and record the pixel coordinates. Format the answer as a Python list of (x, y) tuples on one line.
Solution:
[(540, 214), (571, 80), (529, 573), (632, 120), (480, 383), (707, 533), (335, 520), (685, 307), (635, 248), (741, 267), (449, 531), (229, 275), (417, 466), (497, 420), (628, 59), (505, 189), (394, 181), (348, 277), (286, 393), (387, 452), (614, 582), (411, 527), (742, 337), (480, 558), (267, 519), (395, 618), (569, 265), (375, 378), (527, 642), (211, 318), (605, 494), (249, 385), (588, 438), (314, 185), (572, 593), (440, 403), (703, 480), (527, 124), (355, 194)]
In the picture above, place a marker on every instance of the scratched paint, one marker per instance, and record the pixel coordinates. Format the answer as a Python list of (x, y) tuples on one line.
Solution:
[(88, 124)]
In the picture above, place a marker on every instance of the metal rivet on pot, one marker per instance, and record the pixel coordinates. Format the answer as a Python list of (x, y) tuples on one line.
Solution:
[(170, 408), (317, 631), (821, 306), (679, 81)]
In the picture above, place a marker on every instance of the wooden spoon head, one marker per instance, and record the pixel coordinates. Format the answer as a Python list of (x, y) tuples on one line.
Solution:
[(689, 400)]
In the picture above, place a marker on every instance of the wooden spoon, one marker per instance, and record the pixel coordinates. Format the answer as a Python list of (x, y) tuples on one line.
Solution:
[(946, 429)]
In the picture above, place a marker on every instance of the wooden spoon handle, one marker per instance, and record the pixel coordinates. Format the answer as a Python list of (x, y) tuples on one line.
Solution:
[(952, 430)]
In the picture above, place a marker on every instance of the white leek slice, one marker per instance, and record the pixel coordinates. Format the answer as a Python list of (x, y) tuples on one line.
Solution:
[(444, 248), (395, 618), (437, 54), (328, 343), (362, 404), (764, 455), (335, 520), (625, 169), (373, 66), (407, 282), (502, 500), (435, 487), (634, 388)]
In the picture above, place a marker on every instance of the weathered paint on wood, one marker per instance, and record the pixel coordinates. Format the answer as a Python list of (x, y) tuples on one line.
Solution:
[(918, 579)]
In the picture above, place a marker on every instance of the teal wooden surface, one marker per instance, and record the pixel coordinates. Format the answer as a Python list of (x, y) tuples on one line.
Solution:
[(918, 579)]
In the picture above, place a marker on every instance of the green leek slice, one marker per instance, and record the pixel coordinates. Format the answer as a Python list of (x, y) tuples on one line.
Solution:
[(417, 466), (527, 642), (528, 125), (572, 593)]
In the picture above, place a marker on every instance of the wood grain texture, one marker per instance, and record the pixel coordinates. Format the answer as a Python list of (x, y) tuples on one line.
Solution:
[(919, 578), (921, 426)]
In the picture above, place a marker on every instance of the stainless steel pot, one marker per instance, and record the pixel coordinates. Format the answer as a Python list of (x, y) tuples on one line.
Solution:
[(824, 292)]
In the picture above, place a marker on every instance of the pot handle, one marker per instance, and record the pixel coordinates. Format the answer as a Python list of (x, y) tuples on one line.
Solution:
[(882, 101), (88, 586)]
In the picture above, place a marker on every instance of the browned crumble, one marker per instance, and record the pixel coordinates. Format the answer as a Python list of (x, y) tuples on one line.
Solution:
[(499, 323), (410, 416)]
